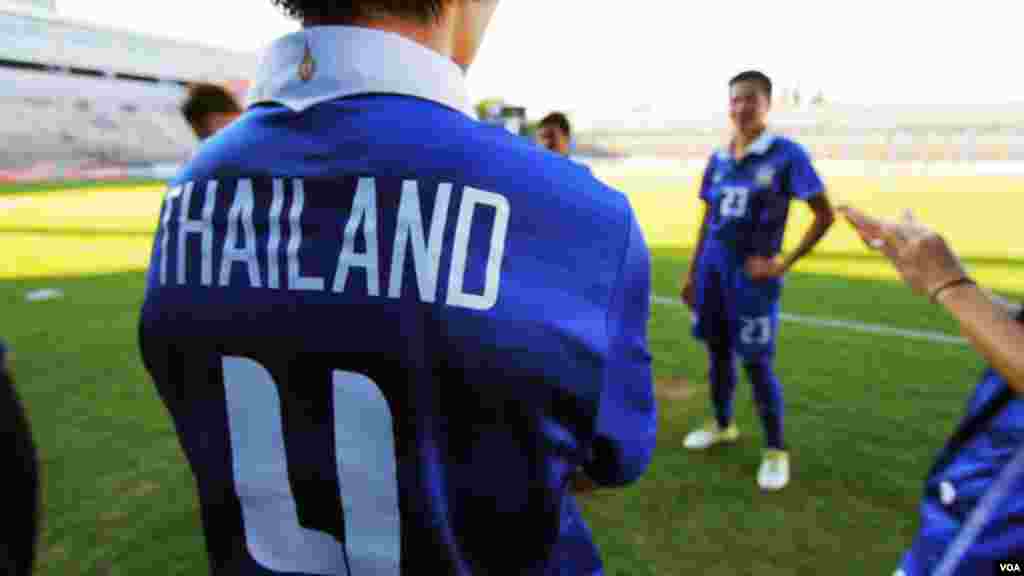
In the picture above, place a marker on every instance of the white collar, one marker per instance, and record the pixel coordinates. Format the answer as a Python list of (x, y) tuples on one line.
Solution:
[(339, 61), (759, 146)]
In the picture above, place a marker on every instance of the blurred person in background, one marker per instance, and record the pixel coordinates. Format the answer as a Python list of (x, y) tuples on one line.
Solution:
[(972, 509), (555, 133), (209, 108)]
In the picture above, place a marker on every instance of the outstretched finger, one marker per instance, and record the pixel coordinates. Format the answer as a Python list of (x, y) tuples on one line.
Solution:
[(888, 233), (868, 228), (912, 227), (908, 217), (894, 235)]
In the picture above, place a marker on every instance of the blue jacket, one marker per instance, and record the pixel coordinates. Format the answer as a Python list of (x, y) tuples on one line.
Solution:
[(963, 473), (388, 334)]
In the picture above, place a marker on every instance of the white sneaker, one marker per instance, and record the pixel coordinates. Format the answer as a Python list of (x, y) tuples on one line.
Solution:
[(774, 471), (709, 435)]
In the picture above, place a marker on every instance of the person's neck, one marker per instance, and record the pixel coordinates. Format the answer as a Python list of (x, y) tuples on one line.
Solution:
[(741, 141), (438, 36)]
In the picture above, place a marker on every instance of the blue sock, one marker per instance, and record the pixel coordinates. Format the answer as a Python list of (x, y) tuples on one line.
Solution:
[(723, 382), (768, 395)]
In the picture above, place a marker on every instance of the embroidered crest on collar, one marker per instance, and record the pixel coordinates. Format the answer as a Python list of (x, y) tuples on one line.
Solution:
[(307, 68), (765, 175)]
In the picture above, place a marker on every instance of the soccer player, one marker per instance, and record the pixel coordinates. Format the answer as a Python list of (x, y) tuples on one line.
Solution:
[(735, 280), (21, 475), (209, 108), (972, 509), (555, 133), (387, 333)]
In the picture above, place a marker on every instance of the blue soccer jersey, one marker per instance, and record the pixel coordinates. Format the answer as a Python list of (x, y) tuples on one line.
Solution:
[(749, 198), (748, 204), (388, 334)]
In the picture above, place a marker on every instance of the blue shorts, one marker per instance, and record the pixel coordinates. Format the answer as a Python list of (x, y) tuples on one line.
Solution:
[(734, 311)]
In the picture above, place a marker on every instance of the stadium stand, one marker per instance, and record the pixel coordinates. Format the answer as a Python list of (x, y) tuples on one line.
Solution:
[(877, 134), (79, 100), (77, 120)]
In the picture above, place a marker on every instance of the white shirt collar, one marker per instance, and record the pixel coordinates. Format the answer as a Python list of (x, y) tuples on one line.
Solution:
[(344, 61), (759, 146)]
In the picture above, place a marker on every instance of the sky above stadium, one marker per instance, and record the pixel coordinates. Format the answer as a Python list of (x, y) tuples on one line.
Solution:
[(611, 55)]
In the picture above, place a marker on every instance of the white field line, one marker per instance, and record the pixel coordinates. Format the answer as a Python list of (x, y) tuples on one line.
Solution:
[(924, 335)]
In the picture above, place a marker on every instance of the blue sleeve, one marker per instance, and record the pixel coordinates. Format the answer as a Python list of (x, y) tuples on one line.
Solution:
[(626, 422), (802, 180), (705, 181)]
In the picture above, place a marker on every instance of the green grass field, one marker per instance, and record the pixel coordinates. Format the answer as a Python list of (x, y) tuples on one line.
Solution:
[(864, 413)]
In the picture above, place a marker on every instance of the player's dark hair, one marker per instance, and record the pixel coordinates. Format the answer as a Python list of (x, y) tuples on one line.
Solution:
[(205, 99), (755, 76), (345, 12), (21, 473), (558, 120)]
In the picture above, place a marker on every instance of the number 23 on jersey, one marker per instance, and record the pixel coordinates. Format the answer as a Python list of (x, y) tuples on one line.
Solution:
[(734, 201)]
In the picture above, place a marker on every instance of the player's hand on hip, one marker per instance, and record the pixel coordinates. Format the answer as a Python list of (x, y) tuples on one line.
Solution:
[(580, 483), (762, 268), (920, 255), (689, 294)]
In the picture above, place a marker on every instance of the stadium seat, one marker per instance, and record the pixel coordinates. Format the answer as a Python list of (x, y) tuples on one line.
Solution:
[(73, 121)]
